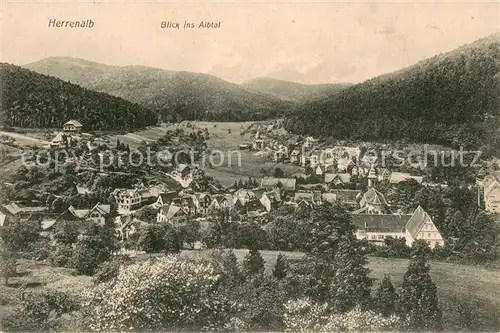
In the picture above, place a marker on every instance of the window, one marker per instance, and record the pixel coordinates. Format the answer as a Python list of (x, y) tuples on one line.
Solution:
[(429, 234), (381, 236)]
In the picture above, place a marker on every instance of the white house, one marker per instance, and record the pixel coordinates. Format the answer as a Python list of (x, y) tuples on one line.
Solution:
[(72, 126), (419, 225)]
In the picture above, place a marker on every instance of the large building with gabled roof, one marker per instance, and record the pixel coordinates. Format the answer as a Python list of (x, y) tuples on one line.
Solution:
[(419, 225)]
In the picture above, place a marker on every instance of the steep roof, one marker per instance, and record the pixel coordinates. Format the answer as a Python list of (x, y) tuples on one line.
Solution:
[(287, 183), (171, 210), (417, 221), (373, 197), (60, 137), (398, 177), (75, 123), (492, 186), (347, 196), (380, 222), (14, 208), (168, 196), (302, 195), (343, 177)]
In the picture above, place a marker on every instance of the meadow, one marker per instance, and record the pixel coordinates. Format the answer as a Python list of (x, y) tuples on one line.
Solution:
[(225, 137)]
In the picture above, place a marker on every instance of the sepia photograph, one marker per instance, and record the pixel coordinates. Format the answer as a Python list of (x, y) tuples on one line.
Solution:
[(249, 166)]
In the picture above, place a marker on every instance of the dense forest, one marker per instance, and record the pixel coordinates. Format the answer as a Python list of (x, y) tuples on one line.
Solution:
[(293, 91), (173, 95), (30, 99), (450, 99)]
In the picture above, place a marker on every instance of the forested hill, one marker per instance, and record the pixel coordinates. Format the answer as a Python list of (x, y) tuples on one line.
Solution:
[(173, 95), (30, 99), (293, 91), (451, 99)]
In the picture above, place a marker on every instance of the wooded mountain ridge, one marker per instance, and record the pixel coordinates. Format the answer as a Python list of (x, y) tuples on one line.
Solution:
[(31, 99), (451, 99)]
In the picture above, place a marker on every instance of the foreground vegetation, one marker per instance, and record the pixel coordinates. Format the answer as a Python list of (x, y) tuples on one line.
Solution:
[(330, 286)]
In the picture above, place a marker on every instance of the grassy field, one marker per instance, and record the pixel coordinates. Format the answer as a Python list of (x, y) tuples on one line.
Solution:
[(224, 138)]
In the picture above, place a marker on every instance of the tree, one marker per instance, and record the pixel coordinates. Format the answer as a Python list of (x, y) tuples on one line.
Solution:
[(8, 263), (278, 173), (385, 298), (418, 297), (151, 238), (253, 263), (281, 267), (326, 226), (18, 234), (420, 248), (173, 241), (94, 247), (350, 286), (66, 232)]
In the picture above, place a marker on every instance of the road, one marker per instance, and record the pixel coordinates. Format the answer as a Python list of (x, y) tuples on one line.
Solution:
[(25, 139)]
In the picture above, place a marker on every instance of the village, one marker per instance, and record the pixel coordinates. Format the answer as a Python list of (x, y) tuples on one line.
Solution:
[(339, 175)]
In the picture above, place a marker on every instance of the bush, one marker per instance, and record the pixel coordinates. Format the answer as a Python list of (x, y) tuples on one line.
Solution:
[(62, 256), (154, 296), (306, 315), (40, 312), (108, 270)]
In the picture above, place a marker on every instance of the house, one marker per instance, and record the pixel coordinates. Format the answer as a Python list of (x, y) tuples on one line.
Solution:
[(284, 184), (347, 152), (383, 174), (373, 202), (372, 177), (204, 201), (15, 211), (129, 200), (61, 140), (189, 204), (165, 198), (270, 200), (243, 196), (347, 197), (398, 177), (171, 213), (376, 227), (295, 156), (221, 201), (310, 197), (319, 171), (259, 144), (491, 193), (72, 126), (126, 226), (344, 164), (310, 142), (421, 226), (97, 214), (280, 154), (182, 170), (337, 179)]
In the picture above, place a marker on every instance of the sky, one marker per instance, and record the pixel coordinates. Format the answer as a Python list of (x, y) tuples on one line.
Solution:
[(308, 42)]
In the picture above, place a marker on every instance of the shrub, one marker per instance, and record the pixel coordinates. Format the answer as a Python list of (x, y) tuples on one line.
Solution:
[(169, 293), (62, 256), (40, 312), (357, 320)]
